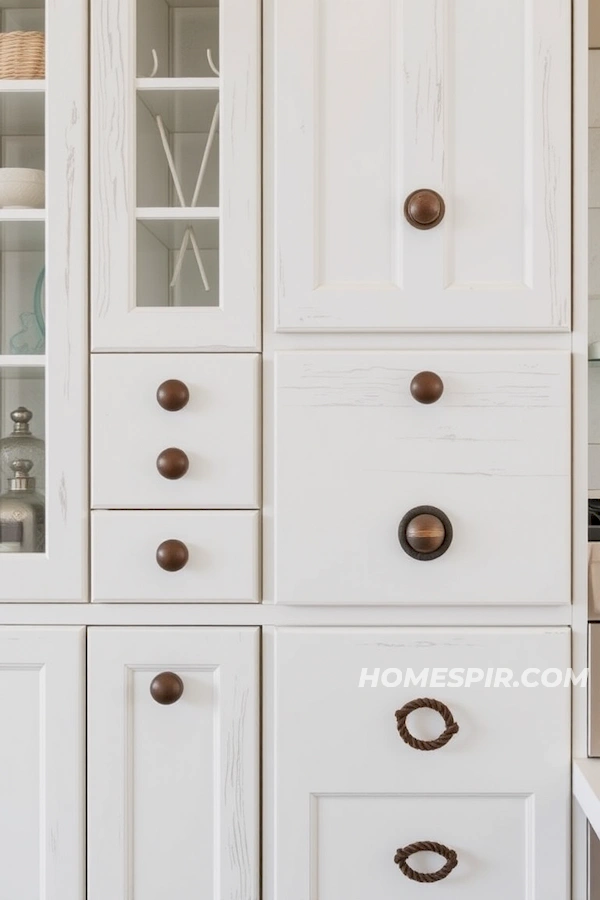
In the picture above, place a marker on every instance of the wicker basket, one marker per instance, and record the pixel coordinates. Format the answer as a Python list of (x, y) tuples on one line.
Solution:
[(22, 54)]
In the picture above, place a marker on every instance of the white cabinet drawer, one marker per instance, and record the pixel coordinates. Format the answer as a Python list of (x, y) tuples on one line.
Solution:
[(354, 453), (216, 431), (173, 789), (346, 787), (207, 557)]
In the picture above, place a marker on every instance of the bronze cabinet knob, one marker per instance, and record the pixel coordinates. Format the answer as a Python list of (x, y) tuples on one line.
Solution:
[(166, 688), (172, 463), (172, 555), (425, 533), (427, 387), (424, 209), (172, 395)]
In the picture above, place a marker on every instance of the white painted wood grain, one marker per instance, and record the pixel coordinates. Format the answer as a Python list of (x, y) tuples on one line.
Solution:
[(476, 107), (223, 565), (117, 323), (354, 452), (343, 791), (218, 430), (42, 819), (60, 574), (173, 790)]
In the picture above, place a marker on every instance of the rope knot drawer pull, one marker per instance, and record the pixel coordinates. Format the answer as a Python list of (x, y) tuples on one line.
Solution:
[(425, 703), (426, 877)]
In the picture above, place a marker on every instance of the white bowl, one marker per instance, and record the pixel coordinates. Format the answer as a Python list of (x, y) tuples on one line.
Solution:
[(22, 188)]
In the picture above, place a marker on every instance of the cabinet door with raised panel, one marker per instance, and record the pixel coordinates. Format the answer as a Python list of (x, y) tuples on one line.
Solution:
[(42, 822), (358, 770), (173, 763), (465, 101), (175, 174)]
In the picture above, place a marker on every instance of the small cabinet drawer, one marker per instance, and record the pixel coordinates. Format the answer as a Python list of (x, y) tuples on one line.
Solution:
[(497, 792), (175, 556), (173, 762), (173, 431), (476, 445)]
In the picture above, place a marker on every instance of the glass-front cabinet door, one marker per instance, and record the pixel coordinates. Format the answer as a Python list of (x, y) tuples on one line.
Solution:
[(175, 174), (43, 297)]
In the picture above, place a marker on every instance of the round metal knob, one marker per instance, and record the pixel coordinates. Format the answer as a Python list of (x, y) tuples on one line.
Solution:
[(172, 555), (172, 395), (172, 463), (427, 387), (425, 532), (424, 209), (166, 688)]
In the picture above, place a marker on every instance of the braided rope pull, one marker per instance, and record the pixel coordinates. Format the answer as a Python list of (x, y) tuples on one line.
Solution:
[(426, 703), (449, 855)]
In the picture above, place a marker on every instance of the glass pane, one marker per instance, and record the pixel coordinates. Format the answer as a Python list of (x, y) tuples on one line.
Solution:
[(178, 36), (178, 263), (22, 322), (22, 459), (177, 148)]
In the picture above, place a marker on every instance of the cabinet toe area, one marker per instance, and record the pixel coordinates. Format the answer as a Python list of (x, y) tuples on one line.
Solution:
[(347, 794)]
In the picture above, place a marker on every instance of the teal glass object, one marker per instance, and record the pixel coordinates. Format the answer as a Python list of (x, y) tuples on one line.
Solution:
[(31, 339)]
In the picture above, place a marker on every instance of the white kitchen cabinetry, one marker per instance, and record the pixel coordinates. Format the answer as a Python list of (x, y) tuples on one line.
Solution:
[(373, 101), (355, 452), (173, 785), (43, 303), (175, 175), (345, 791), (42, 769)]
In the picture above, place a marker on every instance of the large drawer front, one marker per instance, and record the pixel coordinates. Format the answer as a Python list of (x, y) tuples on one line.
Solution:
[(167, 557), (355, 452), (173, 777), (346, 788), (217, 430)]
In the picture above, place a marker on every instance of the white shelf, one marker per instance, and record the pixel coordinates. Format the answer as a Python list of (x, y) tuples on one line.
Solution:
[(24, 361), (22, 85), (177, 84), (22, 215), (177, 213), (586, 789)]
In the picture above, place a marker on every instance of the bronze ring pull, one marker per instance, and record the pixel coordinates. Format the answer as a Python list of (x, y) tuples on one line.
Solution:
[(425, 703), (425, 877)]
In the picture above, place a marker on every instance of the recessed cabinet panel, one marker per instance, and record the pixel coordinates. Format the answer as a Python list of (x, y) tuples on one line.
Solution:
[(345, 791), (375, 101), (173, 763), (141, 557), (175, 146), (42, 825), (360, 460), (202, 454)]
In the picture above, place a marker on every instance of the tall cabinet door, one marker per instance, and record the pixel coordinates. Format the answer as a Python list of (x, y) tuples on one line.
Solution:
[(466, 104), (175, 174), (42, 826), (43, 305), (173, 763)]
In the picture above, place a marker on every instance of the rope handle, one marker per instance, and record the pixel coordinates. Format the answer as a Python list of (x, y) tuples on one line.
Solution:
[(426, 877), (426, 703)]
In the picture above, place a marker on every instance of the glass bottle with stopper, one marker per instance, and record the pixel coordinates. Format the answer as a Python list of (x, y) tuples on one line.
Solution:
[(22, 512), (22, 444)]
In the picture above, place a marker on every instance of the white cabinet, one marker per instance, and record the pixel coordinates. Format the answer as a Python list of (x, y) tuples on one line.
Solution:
[(175, 556), (215, 433), (345, 791), (175, 161), (42, 822), (43, 306), (373, 101), (173, 785), (355, 453)]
